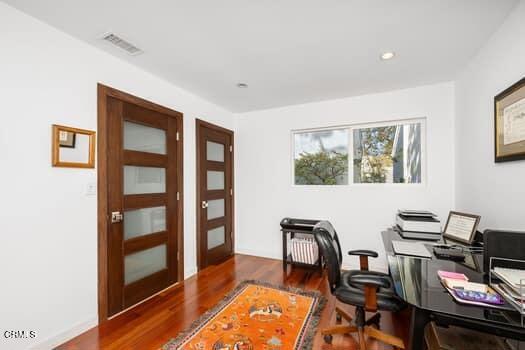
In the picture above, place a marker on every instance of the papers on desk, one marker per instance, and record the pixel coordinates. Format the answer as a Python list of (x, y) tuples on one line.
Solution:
[(512, 287), (454, 280), (465, 285), (415, 249), (515, 278), (458, 281), (453, 275)]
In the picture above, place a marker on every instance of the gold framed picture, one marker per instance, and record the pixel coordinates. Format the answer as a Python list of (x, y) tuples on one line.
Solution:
[(509, 123), (72, 147)]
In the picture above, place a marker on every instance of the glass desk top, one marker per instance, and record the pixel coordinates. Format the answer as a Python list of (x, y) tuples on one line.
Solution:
[(417, 282)]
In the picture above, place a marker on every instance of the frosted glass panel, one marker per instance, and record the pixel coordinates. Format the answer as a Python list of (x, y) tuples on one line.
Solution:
[(144, 263), (215, 237), (143, 138), (214, 151), (215, 209), (144, 221), (215, 180), (139, 179)]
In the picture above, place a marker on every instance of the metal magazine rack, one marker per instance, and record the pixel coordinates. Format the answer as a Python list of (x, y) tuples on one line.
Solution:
[(291, 227), (501, 286)]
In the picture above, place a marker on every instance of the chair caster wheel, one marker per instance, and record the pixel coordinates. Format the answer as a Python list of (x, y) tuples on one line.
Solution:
[(338, 318), (328, 338)]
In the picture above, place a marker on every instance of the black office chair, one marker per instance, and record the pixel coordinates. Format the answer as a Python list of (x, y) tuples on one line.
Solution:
[(366, 290)]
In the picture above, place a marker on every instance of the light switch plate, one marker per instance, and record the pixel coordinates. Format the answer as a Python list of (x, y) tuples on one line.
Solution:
[(91, 189)]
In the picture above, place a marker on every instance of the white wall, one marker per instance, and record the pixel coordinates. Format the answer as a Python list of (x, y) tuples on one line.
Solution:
[(264, 166), (48, 225), (48, 250), (494, 191)]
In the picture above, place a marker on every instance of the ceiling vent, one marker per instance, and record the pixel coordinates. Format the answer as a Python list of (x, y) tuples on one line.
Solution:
[(122, 44)]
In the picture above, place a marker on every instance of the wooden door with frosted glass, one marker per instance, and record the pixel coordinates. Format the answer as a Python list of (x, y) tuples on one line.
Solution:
[(214, 193), (143, 209)]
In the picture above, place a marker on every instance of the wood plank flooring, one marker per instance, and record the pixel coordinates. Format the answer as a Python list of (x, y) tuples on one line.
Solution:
[(154, 322)]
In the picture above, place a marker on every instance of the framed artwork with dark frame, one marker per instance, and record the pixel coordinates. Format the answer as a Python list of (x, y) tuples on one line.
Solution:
[(461, 227), (509, 123)]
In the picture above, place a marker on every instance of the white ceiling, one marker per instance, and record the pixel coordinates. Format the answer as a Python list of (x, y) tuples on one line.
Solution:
[(288, 51)]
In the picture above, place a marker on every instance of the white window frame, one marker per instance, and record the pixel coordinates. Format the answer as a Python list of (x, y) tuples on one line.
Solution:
[(350, 128)]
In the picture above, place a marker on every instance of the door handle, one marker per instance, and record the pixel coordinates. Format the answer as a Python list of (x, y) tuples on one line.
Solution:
[(204, 204), (116, 217)]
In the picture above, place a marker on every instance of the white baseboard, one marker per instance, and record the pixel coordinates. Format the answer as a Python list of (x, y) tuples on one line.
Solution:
[(56, 340), (375, 265), (80, 328), (190, 272), (256, 252)]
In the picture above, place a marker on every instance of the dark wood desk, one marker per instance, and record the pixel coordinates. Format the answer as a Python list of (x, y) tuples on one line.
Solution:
[(416, 281)]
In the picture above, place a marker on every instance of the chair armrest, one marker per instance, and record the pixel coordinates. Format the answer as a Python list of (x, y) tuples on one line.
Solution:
[(371, 281), (368, 253), (363, 257)]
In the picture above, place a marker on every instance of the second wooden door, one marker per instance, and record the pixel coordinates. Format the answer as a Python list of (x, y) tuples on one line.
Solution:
[(214, 193)]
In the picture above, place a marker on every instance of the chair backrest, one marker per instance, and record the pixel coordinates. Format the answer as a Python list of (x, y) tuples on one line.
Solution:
[(330, 249)]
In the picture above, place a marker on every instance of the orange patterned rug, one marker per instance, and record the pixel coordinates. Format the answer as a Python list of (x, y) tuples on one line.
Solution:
[(256, 316)]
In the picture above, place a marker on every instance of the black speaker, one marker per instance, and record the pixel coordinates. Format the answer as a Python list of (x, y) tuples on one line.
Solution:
[(503, 244)]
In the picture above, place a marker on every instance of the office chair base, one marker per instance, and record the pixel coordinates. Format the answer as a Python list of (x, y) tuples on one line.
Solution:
[(366, 331), (374, 320), (369, 328), (340, 314), (371, 332)]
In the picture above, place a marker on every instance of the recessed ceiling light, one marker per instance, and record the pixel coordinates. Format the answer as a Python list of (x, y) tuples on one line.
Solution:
[(242, 85), (387, 55)]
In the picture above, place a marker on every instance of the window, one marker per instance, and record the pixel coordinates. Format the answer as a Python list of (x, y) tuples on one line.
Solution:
[(388, 154), (321, 157), (378, 153)]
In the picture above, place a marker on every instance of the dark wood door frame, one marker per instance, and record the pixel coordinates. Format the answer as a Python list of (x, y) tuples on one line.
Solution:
[(105, 92), (198, 124)]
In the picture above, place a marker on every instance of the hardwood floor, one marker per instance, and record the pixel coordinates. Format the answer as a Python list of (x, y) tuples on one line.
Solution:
[(154, 322)]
